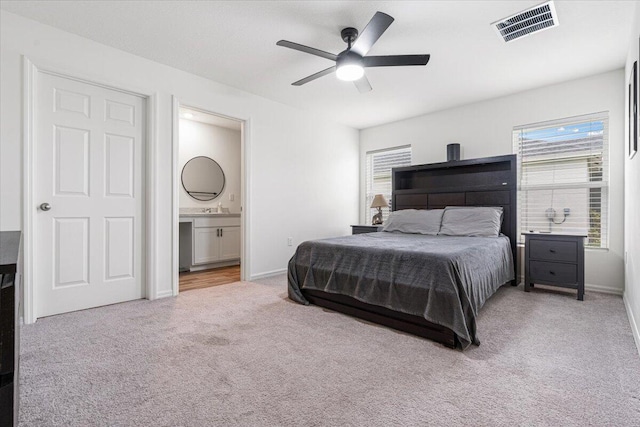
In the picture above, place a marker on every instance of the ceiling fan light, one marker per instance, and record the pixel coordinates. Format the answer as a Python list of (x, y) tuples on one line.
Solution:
[(349, 72)]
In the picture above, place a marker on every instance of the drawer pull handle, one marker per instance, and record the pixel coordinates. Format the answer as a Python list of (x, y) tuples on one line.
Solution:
[(553, 251), (553, 273)]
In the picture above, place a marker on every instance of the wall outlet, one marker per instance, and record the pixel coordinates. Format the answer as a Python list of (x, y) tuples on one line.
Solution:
[(289, 241), (231, 197)]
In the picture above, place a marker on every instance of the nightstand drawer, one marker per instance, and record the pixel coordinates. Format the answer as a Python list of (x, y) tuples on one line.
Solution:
[(553, 250), (553, 272)]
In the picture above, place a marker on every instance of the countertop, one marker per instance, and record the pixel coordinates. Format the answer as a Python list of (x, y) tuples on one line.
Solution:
[(198, 213), (212, 215)]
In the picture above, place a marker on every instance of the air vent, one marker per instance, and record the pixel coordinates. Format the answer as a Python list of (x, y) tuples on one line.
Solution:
[(527, 22)]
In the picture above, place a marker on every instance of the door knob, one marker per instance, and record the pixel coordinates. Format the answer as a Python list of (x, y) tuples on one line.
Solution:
[(45, 207)]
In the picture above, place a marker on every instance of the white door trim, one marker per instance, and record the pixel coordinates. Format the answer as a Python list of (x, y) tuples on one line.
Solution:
[(175, 204), (245, 260), (30, 73), (29, 299)]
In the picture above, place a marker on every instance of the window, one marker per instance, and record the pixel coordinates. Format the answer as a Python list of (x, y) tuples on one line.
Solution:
[(563, 172), (378, 176)]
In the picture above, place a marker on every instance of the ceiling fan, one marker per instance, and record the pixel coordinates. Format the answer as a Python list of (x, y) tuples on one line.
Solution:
[(351, 62)]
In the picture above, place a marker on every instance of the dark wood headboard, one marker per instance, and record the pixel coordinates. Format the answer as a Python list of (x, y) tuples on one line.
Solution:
[(489, 181)]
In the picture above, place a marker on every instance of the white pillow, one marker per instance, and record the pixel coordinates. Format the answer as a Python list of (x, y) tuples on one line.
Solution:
[(415, 221), (471, 221)]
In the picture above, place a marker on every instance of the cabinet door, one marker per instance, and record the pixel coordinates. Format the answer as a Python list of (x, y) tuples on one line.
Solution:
[(230, 243), (205, 245)]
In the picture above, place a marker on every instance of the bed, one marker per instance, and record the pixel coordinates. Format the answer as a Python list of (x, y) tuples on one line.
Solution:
[(430, 286)]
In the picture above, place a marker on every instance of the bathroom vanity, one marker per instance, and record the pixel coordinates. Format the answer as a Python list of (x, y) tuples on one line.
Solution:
[(209, 240), (209, 237)]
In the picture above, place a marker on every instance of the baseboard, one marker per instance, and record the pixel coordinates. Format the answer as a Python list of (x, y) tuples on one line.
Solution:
[(268, 274), (635, 329), (594, 288), (164, 294), (210, 266), (603, 289)]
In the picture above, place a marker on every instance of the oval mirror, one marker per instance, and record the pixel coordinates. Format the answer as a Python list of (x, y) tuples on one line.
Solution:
[(202, 178)]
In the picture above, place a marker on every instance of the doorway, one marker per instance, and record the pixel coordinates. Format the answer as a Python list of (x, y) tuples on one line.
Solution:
[(208, 197)]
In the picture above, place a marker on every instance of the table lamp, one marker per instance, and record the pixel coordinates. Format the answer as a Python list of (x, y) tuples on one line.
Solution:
[(378, 202)]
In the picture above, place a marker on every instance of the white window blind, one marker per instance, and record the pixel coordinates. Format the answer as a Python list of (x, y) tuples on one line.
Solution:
[(378, 176), (563, 172)]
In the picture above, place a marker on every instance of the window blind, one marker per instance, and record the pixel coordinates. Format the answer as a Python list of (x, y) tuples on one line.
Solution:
[(563, 172), (378, 175)]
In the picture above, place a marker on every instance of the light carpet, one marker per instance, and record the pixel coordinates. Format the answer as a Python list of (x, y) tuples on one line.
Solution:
[(243, 354)]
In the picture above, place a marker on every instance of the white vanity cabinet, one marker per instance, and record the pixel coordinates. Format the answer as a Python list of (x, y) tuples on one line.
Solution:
[(214, 239)]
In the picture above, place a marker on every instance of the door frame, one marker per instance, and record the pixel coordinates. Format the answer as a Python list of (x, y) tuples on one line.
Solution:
[(245, 235), (149, 215)]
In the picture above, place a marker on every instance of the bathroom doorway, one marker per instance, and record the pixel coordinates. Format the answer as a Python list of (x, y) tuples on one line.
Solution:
[(209, 193)]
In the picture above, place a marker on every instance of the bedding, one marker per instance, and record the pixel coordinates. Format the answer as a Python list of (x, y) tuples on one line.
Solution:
[(444, 279), (420, 221), (471, 221)]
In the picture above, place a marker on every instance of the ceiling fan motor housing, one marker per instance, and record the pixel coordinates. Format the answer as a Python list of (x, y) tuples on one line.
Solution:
[(348, 57)]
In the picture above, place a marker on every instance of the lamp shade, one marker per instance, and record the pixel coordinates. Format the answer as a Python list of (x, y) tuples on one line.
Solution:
[(379, 202)]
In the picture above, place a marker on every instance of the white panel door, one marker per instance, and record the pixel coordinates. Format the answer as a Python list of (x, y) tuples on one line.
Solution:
[(89, 157)]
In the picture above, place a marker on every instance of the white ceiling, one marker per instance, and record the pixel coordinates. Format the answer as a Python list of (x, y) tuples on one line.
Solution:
[(234, 42)]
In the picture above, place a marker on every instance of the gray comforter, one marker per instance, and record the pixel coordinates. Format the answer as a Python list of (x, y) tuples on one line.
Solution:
[(444, 279)]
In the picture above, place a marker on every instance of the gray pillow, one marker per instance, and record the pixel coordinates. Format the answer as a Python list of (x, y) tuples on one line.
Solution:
[(417, 221), (471, 221)]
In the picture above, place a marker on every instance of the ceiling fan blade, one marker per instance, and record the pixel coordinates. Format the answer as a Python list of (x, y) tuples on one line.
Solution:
[(371, 33), (394, 60), (314, 76), (363, 84), (307, 49)]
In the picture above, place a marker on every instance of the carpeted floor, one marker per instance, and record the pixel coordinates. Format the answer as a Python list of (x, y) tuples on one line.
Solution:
[(242, 354)]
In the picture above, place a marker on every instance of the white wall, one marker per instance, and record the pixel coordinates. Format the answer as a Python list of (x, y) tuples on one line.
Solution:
[(485, 129), (220, 144), (632, 205), (303, 170)]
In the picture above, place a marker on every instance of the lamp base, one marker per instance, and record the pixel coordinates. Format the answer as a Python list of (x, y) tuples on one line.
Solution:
[(377, 218)]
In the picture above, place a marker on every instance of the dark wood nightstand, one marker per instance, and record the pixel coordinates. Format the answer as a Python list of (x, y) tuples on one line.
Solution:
[(554, 259), (361, 229)]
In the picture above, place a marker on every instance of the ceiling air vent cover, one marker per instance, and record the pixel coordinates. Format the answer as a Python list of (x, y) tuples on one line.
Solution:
[(527, 22)]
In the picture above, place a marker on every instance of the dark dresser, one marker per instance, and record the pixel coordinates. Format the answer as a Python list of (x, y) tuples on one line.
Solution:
[(554, 259), (9, 326), (361, 229)]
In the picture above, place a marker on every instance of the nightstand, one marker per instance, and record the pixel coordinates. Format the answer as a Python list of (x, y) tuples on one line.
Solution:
[(361, 229), (554, 259)]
